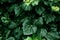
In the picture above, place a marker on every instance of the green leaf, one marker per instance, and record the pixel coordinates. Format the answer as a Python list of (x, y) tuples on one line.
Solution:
[(55, 8), (43, 32), (26, 7), (49, 18), (39, 10), (11, 8), (52, 36), (12, 25), (35, 2), (11, 38), (17, 10), (53, 27), (29, 29), (38, 21), (0, 38), (5, 20), (7, 33), (37, 37), (28, 38), (17, 33)]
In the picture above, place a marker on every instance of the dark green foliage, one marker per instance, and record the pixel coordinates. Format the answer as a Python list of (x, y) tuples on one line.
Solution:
[(29, 19)]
